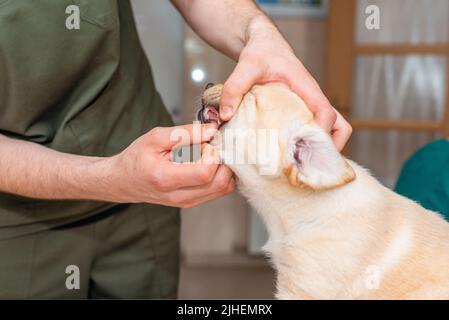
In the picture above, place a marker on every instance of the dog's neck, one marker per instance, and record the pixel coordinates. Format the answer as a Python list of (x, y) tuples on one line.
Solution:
[(285, 208), (298, 219)]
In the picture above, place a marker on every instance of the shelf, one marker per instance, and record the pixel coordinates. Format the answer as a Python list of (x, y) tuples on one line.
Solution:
[(403, 125), (294, 10), (225, 260)]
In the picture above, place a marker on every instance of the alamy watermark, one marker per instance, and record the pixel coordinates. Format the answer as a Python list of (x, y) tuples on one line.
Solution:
[(73, 21), (372, 20), (372, 277), (259, 147), (72, 281)]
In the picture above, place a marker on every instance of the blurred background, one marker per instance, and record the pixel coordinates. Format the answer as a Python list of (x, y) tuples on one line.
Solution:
[(390, 82)]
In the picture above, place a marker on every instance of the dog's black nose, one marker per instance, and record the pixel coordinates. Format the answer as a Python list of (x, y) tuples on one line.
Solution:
[(209, 85)]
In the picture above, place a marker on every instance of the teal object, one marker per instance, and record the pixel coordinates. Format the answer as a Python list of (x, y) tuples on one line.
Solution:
[(425, 177)]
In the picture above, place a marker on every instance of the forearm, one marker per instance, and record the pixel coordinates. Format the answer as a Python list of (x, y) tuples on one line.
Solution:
[(227, 25), (142, 173), (31, 170)]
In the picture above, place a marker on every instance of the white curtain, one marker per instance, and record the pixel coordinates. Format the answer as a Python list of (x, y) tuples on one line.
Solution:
[(405, 21), (398, 87)]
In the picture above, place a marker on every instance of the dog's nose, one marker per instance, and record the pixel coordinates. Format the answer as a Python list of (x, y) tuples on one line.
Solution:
[(209, 85)]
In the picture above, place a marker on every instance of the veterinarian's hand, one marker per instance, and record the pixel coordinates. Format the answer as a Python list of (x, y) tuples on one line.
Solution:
[(267, 57), (145, 172)]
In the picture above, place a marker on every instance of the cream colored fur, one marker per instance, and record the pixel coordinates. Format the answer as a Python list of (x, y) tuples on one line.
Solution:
[(335, 234)]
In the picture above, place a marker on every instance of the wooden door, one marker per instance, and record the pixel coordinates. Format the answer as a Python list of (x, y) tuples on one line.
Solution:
[(345, 52)]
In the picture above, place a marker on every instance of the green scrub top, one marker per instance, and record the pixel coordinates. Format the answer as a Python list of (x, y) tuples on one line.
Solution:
[(88, 92), (425, 177)]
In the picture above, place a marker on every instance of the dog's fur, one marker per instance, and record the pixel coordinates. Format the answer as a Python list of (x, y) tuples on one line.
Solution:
[(334, 231)]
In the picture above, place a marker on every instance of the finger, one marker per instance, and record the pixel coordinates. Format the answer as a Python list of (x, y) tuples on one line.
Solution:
[(220, 181), (168, 138), (230, 188), (308, 89), (244, 76), (209, 155), (341, 132), (325, 116), (223, 183), (188, 174)]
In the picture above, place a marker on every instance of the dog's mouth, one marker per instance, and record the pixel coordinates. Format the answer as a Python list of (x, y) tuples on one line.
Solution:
[(210, 113), (210, 107)]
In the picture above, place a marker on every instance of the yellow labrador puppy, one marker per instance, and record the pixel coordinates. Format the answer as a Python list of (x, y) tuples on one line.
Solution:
[(334, 231)]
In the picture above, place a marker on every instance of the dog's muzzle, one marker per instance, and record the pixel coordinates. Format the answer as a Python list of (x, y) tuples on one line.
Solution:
[(210, 109)]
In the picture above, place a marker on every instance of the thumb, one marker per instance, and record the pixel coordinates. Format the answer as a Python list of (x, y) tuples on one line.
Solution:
[(172, 137), (238, 84)]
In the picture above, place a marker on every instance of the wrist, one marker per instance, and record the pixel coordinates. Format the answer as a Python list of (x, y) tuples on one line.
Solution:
[(261, 29), (258, 25), (96, 178)]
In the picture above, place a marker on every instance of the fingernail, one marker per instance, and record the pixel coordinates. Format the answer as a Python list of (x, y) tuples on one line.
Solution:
[(226, 112)]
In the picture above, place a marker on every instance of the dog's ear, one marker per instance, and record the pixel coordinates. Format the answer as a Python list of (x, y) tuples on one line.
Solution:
[(314, 160)]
